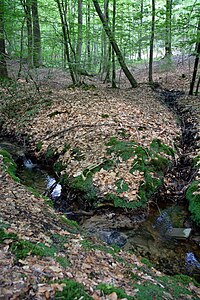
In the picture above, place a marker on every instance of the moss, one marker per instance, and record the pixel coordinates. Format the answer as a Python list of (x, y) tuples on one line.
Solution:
[(5, 235), (62, 261), (108, 289), (21, 249), (72, 290), (9, 165), (70, 223), (122, 149), (104, 116), (59, 166), (49, 153), (194, 201), (39, 146), (146, 262)]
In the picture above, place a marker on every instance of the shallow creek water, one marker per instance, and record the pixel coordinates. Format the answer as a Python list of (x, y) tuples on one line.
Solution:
[(146, 236)]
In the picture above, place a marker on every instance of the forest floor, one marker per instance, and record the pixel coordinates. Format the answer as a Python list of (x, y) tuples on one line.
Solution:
[(37, 247)]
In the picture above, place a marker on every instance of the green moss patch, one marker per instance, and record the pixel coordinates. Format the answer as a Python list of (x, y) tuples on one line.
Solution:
[(108, 289), (9, 164), (194, 201), (72, 290)]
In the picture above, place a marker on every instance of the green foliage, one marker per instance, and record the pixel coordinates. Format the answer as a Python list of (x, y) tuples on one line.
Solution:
[(62, 261), (70, 223), (85, 185), (194, 201), (4, 235), (146, 262), (104, 116), (113, 249), (121, 186), (122, 149), (58, 166), (9, 164), (39, 146), (77, 154), (72, 290), (49, 153), (108, 289), (21, 249), (121, 202)]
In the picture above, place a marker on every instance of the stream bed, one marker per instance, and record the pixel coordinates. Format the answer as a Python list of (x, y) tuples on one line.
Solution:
[(146, 235)]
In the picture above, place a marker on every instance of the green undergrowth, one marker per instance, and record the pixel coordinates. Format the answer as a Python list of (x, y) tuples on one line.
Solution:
[(72, 290), (152, 162), (108, 289), (194, 201), (23, 248), (9, 165)]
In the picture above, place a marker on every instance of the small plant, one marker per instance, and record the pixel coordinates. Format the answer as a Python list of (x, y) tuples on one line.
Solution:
[(108, 289), (193, 197), (9, 164), (72, 290)]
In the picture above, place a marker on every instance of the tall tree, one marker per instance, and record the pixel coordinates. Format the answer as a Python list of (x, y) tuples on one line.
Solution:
[(3, 67), (62, 8), (80, 32), (113, 53), (140, 30), (152, 42), (36, 34), (115, 47), (168, 28), (27, 10), (196, 62)]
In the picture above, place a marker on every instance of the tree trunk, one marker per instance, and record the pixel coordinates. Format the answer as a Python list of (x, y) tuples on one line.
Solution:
[(66, 41), (3, 67), (140, 30), (196, 62), (113, 53), (115, 47), (151, 43), (80, 33), (27, 10), (168, 21), (36, 34)]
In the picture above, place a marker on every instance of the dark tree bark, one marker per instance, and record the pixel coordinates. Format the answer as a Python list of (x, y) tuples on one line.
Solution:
[(27, 10), (66, 40), (168, 21), (36, 34), (151, 43), (140, 30), (3, 67), (113, 53), (80, 32), (115, 47), (196, 62)]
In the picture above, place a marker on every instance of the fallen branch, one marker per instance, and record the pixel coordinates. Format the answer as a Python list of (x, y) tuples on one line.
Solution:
[(77, 126)]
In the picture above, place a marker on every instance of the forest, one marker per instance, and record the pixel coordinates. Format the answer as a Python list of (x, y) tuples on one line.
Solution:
[(99, 149)]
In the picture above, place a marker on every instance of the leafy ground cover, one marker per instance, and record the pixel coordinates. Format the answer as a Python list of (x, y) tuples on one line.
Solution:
[(42, 254)]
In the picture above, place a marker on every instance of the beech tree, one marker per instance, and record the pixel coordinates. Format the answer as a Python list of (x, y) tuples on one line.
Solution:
[(3, 67), (152, 42), (115, 47), (196, 62)]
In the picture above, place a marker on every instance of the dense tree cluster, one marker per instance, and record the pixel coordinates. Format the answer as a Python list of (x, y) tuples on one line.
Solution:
[(96, 37)]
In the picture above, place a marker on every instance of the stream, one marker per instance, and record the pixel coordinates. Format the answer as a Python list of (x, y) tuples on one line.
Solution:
[(146, 235)]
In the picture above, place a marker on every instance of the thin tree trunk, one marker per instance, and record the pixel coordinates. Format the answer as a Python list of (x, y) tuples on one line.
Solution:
[(168, 21), (27, 10), (113, 53), (65, 38), (115, 47), (3, 66), (140, 30), (196, 62), (80, 32), (151, 43), (197, 87), (36, 34)]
